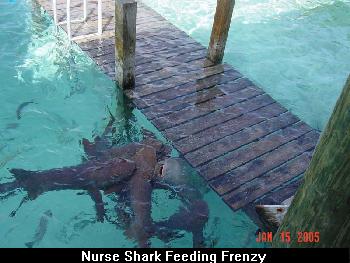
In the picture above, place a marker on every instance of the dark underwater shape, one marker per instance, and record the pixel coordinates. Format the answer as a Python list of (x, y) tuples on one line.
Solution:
[(21, 107), (132, 172), (41, 229)]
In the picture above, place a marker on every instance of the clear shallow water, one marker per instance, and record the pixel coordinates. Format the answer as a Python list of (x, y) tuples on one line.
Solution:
[(297, 50), (69, 98)]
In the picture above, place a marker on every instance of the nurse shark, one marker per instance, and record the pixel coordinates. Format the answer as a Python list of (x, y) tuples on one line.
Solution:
[(131, 171)]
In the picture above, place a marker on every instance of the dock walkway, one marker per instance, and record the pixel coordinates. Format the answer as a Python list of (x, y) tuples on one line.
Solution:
[(245, 144)]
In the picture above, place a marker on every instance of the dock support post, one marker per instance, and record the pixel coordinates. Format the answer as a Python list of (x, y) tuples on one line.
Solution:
[(219, 33), (125, 42), (322, 203)]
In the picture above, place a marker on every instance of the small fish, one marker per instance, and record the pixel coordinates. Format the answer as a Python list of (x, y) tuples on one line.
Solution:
[(21, 107), (12, 126), (41, 229)]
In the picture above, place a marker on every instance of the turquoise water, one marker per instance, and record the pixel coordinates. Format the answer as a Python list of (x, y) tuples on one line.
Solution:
[(66, 99), (296, 50)]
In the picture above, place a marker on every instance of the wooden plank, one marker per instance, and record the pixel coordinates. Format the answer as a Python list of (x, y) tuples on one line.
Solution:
[(162, 48), (90, 27), (205, 108), (198, 140), (156, 65), (159, 43), (152, 26), (183, 102), (166, 55), (175, 81), (236, 140), (168, 68), (181, 59), (105, 59), (269, 181), (200, 95), (252, 151), (109, 69), (162, 51), (212, 78), (282, 193), (271, 160), (96, 44), (162, 34), (167, 72), (217, 117), (98, 52)]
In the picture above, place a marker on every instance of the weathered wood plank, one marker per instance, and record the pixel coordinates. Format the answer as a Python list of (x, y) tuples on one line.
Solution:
[(217, 117), (202, 92), (255, 168), (167, 72), (183, 102), (269, 181), (236, 140), (212, 78), (175, 81), (282, 193), (105, 59), (205, 108), (252, 151), (198, 140), (96, 44)]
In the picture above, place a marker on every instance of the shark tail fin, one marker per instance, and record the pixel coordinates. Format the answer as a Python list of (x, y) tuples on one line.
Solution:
[(29, 244)]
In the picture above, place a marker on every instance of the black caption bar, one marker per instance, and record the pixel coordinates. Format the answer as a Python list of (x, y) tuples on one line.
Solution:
[(175, 255)]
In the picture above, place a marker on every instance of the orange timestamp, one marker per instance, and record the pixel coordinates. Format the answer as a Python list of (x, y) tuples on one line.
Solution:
[(285, 237)]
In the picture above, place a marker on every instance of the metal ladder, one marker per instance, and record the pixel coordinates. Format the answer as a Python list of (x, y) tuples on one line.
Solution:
[(68, 21)]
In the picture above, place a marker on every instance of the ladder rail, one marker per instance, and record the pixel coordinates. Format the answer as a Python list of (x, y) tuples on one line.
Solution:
[(54, 3), (99, 14), (85, 10), (69, 21)]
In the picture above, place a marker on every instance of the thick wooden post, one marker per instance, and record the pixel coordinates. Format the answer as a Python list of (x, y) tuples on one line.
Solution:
[(322, 204), (125, 42), (219, 33)]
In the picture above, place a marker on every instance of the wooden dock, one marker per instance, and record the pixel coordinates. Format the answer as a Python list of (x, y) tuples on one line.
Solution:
[(247, 146)]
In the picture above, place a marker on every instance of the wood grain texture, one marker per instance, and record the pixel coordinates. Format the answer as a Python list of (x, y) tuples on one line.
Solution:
[(125, 42), (220, 29)]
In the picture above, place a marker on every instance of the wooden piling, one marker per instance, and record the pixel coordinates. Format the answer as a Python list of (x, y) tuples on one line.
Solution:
[(221, 27), (125, 42), (319, 215)]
